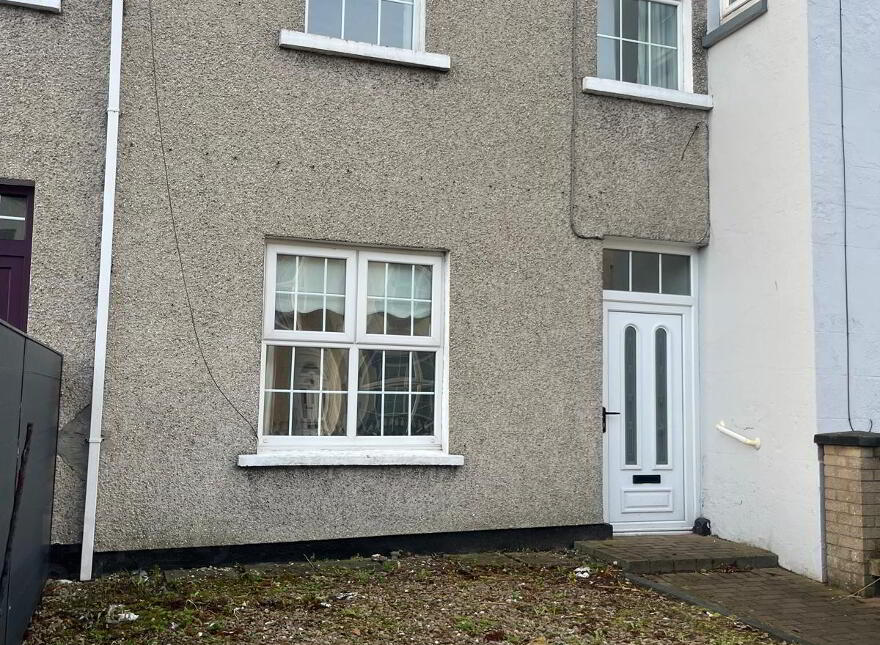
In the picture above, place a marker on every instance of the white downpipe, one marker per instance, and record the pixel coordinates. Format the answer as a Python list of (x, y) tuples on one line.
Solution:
[(754, 443), (103, 310)]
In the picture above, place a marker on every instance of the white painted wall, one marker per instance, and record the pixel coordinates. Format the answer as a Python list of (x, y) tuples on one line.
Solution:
[(861, 51), (758, 324)]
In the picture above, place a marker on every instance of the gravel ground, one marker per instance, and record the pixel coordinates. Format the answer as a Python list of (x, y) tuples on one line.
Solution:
[(524, 598)]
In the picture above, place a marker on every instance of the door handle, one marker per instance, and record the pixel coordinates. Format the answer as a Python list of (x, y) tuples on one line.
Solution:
[(605, 415)]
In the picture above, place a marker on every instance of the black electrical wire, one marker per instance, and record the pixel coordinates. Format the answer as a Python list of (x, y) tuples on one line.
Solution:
[(849, 415), (189, 305)]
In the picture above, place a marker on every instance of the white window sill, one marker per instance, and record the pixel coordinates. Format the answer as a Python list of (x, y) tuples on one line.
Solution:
[(646, 93), (351, 458), (42, 5), (351, 49)]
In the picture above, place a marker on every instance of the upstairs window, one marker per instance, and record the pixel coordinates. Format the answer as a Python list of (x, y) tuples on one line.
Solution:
[(390, 23), (639, 41), (730, 7), (353, 347)]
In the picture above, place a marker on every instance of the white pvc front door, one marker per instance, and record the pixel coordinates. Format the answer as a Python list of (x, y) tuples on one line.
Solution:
[(645, 438)]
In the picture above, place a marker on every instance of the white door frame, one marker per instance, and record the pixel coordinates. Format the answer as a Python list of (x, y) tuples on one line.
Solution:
[(686, 306)]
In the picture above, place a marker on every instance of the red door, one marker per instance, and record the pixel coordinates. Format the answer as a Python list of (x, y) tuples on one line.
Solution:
[(16, 224)]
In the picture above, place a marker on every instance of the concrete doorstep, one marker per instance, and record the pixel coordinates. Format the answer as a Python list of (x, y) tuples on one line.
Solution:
[(675, 553)]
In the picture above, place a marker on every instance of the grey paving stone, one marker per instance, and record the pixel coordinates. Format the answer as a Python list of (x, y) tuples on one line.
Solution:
[(787, 605), (652, 554)]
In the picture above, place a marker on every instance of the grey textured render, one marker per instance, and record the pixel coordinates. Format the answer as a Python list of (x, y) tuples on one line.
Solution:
[(264, 143), (53, 89)]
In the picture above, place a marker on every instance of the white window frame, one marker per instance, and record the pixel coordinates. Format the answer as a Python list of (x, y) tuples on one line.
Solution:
[(436, 264), (729, 7), (685, 47), (355, 314), (273, 250), (418, 28), (416, 56), (53, 6)]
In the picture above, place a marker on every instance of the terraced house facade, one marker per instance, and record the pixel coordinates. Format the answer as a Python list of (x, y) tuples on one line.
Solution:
[(339, 269)]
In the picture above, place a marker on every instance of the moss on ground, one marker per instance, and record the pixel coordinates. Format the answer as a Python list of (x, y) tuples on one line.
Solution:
[(422, 600)]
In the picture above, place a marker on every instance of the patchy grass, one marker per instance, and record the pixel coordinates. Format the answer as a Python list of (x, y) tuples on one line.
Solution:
[(422, 600)]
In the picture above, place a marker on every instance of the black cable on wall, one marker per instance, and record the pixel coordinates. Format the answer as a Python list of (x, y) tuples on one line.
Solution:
[(189, 304), (849, 415)]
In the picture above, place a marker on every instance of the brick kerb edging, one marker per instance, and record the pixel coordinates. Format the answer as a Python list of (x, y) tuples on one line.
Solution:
[(678, 594)]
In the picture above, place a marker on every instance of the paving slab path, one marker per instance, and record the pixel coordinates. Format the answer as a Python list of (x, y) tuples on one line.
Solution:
[(745, 582), (777, 601)]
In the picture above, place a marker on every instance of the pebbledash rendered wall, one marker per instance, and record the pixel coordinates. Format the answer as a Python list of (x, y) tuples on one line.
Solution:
[(263, 143), (53, 95)]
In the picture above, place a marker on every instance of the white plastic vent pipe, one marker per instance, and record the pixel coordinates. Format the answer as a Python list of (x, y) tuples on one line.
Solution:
[(103, 309), (754, 443)]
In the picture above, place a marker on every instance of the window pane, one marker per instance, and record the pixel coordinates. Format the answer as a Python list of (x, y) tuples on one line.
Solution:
[(399, 317), (278, 360), (400, 280), (634, 19), (276, 413), (661, 388), (333, 415), (421, 319), (630, 394), (397, 25), (334, 316), (362, 21), (307, 368), (310, 310), (422, 422), (284, 311), (285, 274), (615, 270), (369, 415), (646, 272), (634, 63), (335, 369), (609, 17), (609, 57), (336, 276), (664, 24), (396, 417), (375, 316), (13, 206), (375, 278), (370, 370), (423, 285), (311, 275), (325, 18), (300, 284), (12, 229), (306, 410), (677, 274), (423, 366), (664, 67), (396, 291), (397, 371)]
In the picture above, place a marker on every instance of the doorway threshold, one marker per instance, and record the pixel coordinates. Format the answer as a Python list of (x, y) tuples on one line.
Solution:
[(656, 554)]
